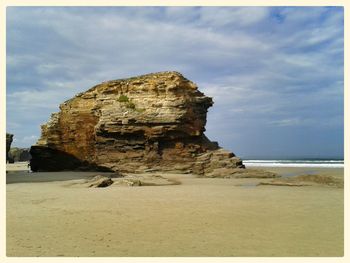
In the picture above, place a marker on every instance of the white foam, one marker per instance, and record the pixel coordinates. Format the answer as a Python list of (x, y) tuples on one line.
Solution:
[(298, 163)]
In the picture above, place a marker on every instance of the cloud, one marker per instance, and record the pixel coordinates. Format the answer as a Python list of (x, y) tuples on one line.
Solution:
[(240, 16), (26, 100), (288, 122), (265, 67), (26, 140)]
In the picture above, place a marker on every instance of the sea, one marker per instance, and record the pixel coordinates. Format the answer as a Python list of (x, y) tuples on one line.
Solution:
[(315, 163)]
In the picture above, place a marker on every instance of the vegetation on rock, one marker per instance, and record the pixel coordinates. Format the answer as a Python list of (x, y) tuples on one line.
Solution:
[(123, 98)]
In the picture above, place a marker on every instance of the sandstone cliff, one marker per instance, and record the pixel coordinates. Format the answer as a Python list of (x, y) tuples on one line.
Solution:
[(9, 138), (146, 123)]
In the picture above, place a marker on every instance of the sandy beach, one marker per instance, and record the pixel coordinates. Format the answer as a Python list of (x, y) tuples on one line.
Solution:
[(198, 217)]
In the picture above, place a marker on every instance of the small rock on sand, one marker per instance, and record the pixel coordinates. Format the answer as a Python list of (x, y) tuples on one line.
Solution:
[(100, 181)]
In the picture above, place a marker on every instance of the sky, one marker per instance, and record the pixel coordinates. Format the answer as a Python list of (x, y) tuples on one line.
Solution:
[(276, 74)]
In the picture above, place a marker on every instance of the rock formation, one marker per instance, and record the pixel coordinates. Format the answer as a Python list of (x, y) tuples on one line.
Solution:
[(9, 138), (154, 122), (19, 154)]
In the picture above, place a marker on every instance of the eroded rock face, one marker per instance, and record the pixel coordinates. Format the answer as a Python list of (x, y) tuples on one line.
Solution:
[(9, 138), (147, 123)]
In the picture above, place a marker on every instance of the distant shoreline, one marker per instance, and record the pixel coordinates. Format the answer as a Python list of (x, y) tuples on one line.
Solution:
[(19, 173)]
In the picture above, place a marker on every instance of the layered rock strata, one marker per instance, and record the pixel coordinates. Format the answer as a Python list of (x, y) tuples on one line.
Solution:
[(154, 122)]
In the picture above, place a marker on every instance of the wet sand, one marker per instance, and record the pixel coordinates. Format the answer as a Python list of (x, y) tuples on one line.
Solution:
[(199, 217), (25, 177), (292, 171)]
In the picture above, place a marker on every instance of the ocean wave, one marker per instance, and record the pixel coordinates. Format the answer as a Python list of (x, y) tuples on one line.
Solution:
[(296, 163)]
